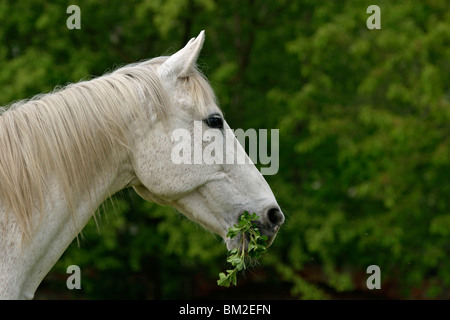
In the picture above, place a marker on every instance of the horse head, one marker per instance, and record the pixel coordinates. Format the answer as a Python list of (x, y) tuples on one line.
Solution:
[(212, 193)]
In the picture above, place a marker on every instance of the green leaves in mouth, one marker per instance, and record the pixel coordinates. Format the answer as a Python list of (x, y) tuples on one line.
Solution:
[(237, 257)]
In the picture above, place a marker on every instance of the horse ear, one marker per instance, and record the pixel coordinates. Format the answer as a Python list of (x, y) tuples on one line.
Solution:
[(181, 63)]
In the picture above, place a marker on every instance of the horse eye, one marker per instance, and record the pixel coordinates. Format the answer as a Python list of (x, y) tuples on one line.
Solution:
[(215, 121)]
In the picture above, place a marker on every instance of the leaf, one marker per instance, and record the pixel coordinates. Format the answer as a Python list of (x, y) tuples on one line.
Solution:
[(223, 280), (255, 248)]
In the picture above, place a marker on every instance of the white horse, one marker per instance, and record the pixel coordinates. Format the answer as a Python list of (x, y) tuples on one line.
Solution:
[(63, 153)]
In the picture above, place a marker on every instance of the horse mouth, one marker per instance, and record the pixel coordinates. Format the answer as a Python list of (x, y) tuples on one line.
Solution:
[(238, 242)]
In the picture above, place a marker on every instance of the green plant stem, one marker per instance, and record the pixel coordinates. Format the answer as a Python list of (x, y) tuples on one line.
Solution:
[(256, 247)]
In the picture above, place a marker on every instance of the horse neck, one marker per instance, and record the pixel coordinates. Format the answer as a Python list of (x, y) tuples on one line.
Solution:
[(24, 264)]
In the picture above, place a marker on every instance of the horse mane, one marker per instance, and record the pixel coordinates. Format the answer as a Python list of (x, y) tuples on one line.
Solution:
[(67, 131)]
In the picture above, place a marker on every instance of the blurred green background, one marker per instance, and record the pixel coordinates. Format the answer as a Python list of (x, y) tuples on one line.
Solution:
[(364, 120)]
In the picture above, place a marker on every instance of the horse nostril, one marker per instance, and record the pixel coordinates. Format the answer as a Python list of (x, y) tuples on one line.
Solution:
[(275, 216)]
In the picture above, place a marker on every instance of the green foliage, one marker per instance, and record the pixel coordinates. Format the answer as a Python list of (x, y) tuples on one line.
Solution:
[(364, 139), (254, 249)]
